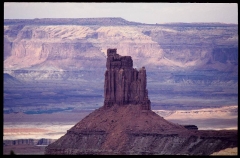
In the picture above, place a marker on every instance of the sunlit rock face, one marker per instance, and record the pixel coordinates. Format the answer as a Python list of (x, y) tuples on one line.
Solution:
[(69, 45)]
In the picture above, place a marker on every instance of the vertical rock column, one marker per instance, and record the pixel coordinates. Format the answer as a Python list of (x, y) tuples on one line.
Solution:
[(142, 82), (124, 84)]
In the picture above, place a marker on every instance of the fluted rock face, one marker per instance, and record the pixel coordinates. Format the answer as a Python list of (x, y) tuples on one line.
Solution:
[(124, 84)]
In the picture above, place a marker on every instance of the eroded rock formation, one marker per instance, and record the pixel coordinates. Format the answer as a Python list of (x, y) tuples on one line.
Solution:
[(127, 125), (124, 84), (82, 43), (132, 131)]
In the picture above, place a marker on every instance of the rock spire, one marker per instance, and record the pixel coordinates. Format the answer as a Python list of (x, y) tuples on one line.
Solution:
[(134, 129), (124, 84)]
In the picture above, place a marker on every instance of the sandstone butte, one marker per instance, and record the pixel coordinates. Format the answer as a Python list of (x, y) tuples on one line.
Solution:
[(125, 124)]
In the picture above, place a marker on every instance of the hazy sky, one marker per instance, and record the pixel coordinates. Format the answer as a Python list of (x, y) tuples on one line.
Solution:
[(139, 12)]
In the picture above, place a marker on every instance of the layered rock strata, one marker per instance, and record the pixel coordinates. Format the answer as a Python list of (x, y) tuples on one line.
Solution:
[(124, 84), (127, 125), (132, 131)]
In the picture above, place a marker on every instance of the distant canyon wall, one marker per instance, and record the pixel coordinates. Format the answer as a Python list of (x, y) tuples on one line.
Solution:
[(83, 46)]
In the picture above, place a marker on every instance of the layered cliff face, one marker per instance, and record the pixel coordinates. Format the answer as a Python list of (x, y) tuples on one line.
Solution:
[(81, 44), (124, 84), (196, 59), (201, 46), (60, 46), (125, 124)]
